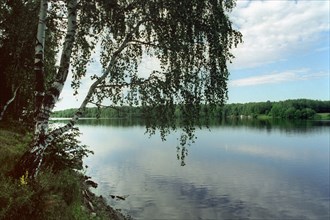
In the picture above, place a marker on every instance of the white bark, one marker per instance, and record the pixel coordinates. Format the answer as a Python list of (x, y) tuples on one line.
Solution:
[(39, 57), (42, 138), (54, 134), (56, 88), (8, 103), (41, 34)]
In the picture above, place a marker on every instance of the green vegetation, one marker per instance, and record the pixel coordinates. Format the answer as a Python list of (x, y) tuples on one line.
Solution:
[(56, 193), (289, 109), (323, 116)]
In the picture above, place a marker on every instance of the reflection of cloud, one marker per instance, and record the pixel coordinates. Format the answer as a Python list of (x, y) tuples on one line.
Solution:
[(293, 75), (261, 151), (215, 183)]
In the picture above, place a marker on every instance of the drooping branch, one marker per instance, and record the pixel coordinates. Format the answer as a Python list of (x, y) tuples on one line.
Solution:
[(92, 88), (105, 106), (32, 160), (153, 44), (192, 72), (8, 103)]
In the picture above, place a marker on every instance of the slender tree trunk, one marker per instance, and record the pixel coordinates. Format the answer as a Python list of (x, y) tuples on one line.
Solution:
[(8, 103), (30, 162), (39, 58), (32, 159)]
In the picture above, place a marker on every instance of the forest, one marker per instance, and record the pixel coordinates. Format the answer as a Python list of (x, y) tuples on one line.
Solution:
[(288, 109)]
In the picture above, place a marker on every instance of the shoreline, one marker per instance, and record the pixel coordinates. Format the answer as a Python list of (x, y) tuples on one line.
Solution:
[(64, 194)]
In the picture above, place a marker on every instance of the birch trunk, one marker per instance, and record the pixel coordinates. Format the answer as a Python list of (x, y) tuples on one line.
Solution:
[(30, 162), (32, 159), (39, 58)]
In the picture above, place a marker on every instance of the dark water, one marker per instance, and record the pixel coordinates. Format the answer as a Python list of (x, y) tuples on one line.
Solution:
[(238, 170)]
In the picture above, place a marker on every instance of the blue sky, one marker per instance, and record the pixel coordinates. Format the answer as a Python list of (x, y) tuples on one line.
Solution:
[(285, 54)]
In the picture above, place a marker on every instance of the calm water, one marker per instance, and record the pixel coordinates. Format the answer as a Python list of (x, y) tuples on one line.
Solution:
[(238, 170)]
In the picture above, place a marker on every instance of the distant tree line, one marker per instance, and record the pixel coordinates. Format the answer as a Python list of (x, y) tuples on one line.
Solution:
[(94, 112), (289, 109)]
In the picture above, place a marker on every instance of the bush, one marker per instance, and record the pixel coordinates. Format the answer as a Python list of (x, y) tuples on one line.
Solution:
[(56, 192), (66, 152), (50, 196)]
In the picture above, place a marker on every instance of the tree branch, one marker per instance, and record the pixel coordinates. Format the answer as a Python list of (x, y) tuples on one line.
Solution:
[(145, 43), (8, 103), (93, 88), (105, 106)]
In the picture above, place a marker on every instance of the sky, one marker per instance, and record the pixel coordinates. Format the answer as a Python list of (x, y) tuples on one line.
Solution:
[(285, 53)]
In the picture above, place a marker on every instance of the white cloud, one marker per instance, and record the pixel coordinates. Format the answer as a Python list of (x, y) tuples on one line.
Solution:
[(291, 75), (274, 30)]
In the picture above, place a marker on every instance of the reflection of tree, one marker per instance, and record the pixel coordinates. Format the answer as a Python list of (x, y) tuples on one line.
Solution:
[(118, 122), (181, 153), (184, 141), (287, 126)]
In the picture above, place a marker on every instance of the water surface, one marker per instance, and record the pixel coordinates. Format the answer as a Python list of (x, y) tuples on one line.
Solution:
[(238, 170)]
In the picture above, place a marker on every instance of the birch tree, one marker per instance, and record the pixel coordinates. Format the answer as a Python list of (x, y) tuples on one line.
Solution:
[(190, 38), (18, 25)]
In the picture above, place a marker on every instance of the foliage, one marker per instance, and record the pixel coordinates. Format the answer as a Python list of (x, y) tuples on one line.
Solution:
[(66, 152), (14, 140), (289, 109), (323, 116), (18, 23), (191, 39), (54, 194), (51, 196), (299, 109)]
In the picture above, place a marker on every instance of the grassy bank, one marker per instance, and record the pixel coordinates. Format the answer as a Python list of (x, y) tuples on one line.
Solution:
[(63, 194), (323, 116), (318, 116)]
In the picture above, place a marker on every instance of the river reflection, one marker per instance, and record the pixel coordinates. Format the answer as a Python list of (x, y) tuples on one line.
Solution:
[(238, 170)]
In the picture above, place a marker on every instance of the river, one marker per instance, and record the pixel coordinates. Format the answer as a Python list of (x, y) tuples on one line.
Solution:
[(235, 170)]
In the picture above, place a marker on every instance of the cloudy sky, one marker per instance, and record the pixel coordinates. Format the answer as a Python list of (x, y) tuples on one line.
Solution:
[(285, 54)]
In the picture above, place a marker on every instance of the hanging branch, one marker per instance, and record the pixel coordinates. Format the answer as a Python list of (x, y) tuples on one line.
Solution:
[(8, 103), (57, 132)]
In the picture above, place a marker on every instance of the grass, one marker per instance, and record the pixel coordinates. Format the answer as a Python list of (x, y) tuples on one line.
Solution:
[(318, 116), (52, 195), (264, 117), (323, 116), (13, 143)]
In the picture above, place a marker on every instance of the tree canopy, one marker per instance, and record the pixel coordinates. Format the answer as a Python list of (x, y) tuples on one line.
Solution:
[(191, 39), (18, 26), (288, 109)]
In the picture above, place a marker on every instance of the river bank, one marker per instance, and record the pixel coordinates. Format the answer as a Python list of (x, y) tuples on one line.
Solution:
[(64, 194)]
